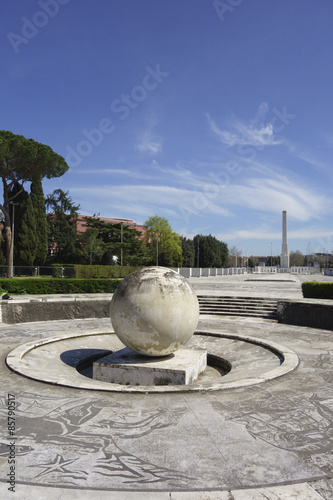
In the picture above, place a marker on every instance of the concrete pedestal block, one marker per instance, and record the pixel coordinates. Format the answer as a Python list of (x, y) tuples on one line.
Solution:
[(129, 368)]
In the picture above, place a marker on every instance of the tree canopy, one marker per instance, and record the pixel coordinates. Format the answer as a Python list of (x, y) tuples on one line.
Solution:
[(25, 227), (38, 203), (296, 258), (164, 244), (188, 252), (212, 252), (62, 233), (91, 245), (24, 159), (26, 236)]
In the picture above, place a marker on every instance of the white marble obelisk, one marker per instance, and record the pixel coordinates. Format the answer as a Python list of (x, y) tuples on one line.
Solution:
[(285, 251)]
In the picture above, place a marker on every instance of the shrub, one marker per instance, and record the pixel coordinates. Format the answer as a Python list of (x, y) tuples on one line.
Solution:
[(315, 290), (84, 271), (64, 271), (57, 286), (104, 271)]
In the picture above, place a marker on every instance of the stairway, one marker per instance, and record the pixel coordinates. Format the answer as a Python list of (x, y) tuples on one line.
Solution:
[(238, 306)]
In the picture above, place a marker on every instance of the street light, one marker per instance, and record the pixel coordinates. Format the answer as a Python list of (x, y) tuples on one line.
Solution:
[(271, 256), (12, 253), (121, 243)]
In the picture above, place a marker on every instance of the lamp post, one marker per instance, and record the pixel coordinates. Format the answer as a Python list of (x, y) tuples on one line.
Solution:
[(271, 255), (121, 243), (12, 253)]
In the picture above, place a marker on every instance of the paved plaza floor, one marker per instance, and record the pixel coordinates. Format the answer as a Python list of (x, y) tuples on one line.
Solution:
[(269, 440)]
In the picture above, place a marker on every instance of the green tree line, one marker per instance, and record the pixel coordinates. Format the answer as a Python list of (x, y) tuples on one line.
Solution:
[(204, 251)]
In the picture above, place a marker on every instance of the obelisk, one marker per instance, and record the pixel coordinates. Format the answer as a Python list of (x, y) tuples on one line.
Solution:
[(285, 251)]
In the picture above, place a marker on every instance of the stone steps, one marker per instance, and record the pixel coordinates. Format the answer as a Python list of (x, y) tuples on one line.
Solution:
[(238, 306)]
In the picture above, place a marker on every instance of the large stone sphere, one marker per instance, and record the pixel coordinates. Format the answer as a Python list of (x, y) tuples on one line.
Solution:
[(154, 311)]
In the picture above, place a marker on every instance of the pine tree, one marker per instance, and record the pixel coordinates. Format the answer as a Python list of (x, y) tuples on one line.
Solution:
[(188, 252), (22, 160), (62, 231), (38, 202), (25, 232), (212, 252), (20, 196)]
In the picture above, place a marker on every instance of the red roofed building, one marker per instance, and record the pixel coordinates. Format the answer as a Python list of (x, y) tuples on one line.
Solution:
[(81, 225)]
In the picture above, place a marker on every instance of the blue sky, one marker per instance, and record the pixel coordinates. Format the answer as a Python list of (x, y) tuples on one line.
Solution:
[(216, 114)]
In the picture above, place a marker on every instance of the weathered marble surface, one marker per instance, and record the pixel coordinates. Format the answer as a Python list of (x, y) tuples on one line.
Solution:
[(154, 311)]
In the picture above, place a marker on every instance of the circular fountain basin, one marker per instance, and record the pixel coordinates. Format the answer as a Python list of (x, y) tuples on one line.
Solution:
[(233, 361)]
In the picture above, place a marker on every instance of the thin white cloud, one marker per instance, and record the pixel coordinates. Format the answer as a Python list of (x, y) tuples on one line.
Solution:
[(181, 175), (249, 234), (197, 195), (271, 195), (177, 200), (102, 171), (133, 174), (251, 135), (148, 143), (262, 233), (309, 158), (255, 132)]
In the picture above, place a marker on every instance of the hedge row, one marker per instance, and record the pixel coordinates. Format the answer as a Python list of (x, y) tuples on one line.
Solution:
[(64, 271), (104, 271), (43, 286), (315, 290), (83, 272)]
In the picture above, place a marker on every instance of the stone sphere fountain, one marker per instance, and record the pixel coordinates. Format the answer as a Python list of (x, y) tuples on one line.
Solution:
[(154, 312)]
